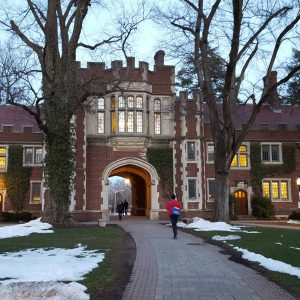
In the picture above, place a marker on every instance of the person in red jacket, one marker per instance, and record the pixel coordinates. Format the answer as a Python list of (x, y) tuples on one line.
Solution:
[(173, 206)]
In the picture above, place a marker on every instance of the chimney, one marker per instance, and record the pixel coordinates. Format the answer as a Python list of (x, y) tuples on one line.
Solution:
[(272, 99), (159, 58)]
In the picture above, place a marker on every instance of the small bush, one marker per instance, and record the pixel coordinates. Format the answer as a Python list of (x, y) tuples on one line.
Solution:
[(295, 215), (262, 208), (21, 216)]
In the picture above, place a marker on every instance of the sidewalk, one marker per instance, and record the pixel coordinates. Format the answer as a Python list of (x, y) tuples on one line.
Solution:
[(189, 269)]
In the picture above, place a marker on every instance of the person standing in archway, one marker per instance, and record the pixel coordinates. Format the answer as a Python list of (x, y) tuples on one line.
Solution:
[(125, 206), (174, 206), (120, 209)]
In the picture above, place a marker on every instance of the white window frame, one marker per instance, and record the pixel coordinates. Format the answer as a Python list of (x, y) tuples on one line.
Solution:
[(271, 162), (6, 157), (247, 144), (31, 184), (207, 189), (279, 179), (196, 189), (206, 150), (33, 147), (195, 150)]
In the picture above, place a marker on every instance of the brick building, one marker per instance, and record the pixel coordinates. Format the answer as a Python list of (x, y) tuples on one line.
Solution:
[(115, 133)]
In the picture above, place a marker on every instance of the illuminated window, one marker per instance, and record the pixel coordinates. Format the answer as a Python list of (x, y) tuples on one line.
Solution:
[(210, 152), (191, 150), (139, 102), (130, 103), (157, 120), (113, 122), (139, 121), (35, 192), (271, 153), (3, 158), (276, 189), (113, 102), (192, 188), (121, 120), (211, 189), (240, 160), (33, 155), (130, 121)]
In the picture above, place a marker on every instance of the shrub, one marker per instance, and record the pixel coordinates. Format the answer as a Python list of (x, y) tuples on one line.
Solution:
[(295, 215), (20, 216), (262, 208)]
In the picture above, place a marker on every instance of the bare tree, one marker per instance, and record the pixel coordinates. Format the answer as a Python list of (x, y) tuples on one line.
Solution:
[(52, 30), (248, 34)]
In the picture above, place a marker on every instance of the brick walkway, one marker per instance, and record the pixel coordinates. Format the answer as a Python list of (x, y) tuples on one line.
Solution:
[(189, 269)]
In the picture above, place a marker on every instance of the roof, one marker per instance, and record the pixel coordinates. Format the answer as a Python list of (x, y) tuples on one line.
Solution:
[(289, 115), (17, 117)]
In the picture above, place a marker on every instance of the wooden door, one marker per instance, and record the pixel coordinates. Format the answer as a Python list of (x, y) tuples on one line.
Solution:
[(241, 202)]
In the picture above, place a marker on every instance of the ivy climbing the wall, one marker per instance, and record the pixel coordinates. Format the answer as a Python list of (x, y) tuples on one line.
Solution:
[(17, 178), (162, 160), (260, 170)]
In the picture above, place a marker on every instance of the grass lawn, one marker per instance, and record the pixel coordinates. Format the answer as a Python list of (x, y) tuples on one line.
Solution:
[(266, 244), (109, 240)]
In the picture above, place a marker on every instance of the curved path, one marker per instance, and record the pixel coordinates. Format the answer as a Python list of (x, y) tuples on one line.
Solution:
[(189, 269)]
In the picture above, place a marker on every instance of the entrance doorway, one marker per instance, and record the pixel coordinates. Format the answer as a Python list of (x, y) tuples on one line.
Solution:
[(140, 204), (241, 202)]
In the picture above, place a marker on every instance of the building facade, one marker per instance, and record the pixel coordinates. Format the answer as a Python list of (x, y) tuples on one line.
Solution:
[(141, 131)]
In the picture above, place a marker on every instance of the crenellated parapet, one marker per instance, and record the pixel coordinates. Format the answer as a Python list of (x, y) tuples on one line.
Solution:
[(162, 78)]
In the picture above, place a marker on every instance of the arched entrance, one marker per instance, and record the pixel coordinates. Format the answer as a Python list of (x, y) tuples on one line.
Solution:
[(241, 202), (144, 180)]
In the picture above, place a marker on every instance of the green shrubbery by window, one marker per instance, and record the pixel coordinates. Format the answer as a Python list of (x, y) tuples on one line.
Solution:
[(19, 216), (262, 208), (295, 215)]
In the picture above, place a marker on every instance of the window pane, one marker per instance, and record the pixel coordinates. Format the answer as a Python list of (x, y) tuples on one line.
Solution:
[(121, 121), (234, 162), (36, 192), (284, 189), (266, 189), (2, 162), (139, 102), (130, 121), (275, 153), (265, 155), (243, 148), (38, 155), (147, 123), (113, 122), (28, 156), (211, 189), (192, 189), (113, 102), (139, 121), (210, 152), (130, 101), (191, 150), (100, 122), (157, 123), (157, 105), (121, 102), (100, 103), (2, 151), (275, 190), (243, 160)]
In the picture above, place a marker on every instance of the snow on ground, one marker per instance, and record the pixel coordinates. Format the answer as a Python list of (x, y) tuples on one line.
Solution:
[(24, 270), (295, 248), (34, 226), (226, 238), (293, 222), (269, 263)]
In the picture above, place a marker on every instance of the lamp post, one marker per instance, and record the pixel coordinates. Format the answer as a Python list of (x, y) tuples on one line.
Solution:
[(116, 192), (298, 184)]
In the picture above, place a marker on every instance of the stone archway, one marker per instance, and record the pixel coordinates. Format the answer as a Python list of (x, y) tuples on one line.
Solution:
[(144, 180)]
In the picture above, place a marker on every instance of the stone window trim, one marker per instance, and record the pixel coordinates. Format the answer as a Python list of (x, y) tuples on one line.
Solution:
[(271, 161), (209, 199), (32, 183), (279, 180), (239, 154), (4, 156), (34, 155)]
